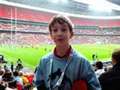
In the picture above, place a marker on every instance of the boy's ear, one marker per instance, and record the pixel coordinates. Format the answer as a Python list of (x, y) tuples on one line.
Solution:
[(71, 35), (50, 35)]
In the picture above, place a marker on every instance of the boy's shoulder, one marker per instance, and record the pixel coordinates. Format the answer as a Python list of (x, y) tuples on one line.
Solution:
[(47, 57), (78, 55)]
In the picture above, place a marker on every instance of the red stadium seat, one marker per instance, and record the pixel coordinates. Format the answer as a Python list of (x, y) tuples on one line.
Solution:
[(79, 85)]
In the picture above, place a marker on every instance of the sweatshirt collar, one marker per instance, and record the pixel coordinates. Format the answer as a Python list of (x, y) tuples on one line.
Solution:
[(67, 54)]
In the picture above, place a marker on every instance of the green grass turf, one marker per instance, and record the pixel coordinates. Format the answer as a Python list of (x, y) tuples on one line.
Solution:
[(31, 55)]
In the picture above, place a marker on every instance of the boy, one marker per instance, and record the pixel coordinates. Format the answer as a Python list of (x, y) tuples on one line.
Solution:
[(58, 70)]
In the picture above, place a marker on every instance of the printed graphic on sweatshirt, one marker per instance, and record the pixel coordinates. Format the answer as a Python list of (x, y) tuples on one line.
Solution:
[(65, 83)]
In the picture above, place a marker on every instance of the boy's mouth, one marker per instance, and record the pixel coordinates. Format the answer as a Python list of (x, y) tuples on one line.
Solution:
[(60, 39)]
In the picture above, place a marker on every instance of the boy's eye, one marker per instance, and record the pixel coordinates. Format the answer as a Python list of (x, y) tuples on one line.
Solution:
[(54, 30), (63, 30)]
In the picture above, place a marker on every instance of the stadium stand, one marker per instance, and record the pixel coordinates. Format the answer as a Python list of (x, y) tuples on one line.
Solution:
[(25, 32)]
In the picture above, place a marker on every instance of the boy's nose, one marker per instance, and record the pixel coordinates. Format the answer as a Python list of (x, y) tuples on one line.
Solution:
[(59, 32)]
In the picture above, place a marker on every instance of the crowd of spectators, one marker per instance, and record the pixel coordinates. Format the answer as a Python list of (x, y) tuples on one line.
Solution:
[(13, 77), (102, 36), (37, 39)]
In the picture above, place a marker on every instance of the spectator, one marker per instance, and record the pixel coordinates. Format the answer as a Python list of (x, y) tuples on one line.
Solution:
[(19, 65), (2, 87), (17, 77), (94, 57), (12, 67), (2, 60), (12, 85), (1, 74), (111, 79), (58, 70), (99, 68), (6, 68), (7, 76), (19, 61)]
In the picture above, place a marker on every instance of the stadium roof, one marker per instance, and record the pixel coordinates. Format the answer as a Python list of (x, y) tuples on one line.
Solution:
[(80, 8)]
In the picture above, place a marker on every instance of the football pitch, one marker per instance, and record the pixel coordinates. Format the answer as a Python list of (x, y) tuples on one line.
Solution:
[(31, 56)]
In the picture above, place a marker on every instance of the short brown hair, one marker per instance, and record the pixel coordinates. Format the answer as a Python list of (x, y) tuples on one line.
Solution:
[(61, 19), (116, 55)]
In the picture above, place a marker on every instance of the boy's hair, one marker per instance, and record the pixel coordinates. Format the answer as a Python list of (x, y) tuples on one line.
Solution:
[(116, 55), (61, 20)]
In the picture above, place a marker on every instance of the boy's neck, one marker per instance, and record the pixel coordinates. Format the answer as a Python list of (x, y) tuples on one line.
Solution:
[(62, 52)]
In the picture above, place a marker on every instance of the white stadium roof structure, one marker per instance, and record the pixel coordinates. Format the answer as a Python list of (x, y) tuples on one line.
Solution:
[(91, 9)]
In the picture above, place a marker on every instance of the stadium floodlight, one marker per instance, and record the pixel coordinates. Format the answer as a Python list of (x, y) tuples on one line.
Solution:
[(97, 5), (90, 2), (101, 4), (115, 6), (59, 1), (54, 1), (64, 1)]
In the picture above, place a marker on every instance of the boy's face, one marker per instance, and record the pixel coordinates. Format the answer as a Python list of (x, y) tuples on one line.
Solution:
[(60, 33)]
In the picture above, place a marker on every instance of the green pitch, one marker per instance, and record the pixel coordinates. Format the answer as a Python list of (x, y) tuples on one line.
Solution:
[(31, 56)]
